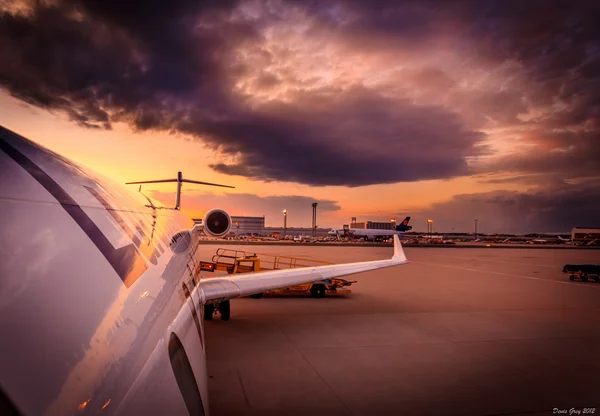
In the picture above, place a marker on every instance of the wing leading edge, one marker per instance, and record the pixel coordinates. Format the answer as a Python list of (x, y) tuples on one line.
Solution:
[(219, 289)]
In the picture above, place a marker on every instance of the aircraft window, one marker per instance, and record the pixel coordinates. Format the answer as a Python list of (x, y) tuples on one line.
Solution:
[(185, 376)]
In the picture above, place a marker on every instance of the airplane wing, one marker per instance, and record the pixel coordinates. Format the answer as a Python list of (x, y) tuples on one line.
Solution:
[(220, 289)]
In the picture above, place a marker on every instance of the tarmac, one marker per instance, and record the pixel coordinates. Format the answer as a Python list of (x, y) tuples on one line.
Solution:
[(454, 332)]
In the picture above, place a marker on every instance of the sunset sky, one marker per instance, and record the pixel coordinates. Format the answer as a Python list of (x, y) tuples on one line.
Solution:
[(451, 110)]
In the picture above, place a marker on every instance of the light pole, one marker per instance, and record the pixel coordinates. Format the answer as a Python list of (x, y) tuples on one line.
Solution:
[(284, 222), (314, 223), (429, 226), (393, 221), (475, 228), (237, 229)]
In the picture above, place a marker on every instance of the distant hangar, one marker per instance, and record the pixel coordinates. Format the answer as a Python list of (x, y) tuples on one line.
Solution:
[(584, 234), (241, 225)]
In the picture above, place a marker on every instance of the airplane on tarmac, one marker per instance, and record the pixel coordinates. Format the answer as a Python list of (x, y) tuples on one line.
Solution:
[(557, 240), (101, 311), (369, 234)]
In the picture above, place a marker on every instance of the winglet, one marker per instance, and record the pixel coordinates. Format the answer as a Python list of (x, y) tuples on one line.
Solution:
[(398, 251)]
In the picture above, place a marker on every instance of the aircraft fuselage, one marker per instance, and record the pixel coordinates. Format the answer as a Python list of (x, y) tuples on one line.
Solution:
[(98, 305)]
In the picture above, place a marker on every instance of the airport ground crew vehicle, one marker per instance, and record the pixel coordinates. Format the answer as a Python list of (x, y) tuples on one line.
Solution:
[(583, 271), (316, 289), (235, 261)]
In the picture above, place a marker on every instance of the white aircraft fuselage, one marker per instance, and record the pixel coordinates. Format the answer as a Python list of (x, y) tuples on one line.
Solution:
[(364, 233), (92, 296), (101, 311)]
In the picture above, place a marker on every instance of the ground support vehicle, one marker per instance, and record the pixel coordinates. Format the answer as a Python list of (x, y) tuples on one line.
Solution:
[(583, 272), (235, 261)]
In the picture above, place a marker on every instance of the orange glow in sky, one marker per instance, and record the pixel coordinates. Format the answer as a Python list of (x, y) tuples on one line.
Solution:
[(374, 112)]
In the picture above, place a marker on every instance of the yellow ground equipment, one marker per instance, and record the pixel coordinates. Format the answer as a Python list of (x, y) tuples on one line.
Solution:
[(235, 261)]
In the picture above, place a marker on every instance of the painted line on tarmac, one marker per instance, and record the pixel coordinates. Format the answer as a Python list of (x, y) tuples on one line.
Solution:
[(508, 274), (495, 261)]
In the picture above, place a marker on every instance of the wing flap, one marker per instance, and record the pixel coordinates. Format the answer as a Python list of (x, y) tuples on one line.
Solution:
[(218, 289)]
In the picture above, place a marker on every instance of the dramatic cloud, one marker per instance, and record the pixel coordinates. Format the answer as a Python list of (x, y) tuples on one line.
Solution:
[(527, 73), (107, 61), (299, 207), (348, 137), (345, 92), (567, 153), (553, 209), (185, 68)]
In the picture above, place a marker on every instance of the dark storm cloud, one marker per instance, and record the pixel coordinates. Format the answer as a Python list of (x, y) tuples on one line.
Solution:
[(568, 154), (174, 66), (553, 209), (542, 179), (55, 62), (103, 61), (351, 137), (555, 49), (525, 30)]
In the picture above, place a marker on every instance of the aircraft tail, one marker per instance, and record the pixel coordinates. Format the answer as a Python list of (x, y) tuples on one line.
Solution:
[(403, 226)]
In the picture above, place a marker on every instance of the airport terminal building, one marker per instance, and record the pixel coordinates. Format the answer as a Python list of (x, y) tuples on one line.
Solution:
[(585, 234), (296, 231), (256, 226), (247, 225)]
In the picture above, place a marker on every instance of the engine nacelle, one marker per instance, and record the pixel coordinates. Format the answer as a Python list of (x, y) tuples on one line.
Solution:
[(216, 223)]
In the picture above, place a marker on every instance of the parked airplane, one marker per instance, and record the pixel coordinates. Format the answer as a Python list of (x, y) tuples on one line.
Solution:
[(101, 309), (557, 240), (403, 226), (538, 241), (370, 234)]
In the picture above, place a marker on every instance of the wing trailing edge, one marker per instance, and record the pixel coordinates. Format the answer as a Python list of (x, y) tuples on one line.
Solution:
[(220, 289)]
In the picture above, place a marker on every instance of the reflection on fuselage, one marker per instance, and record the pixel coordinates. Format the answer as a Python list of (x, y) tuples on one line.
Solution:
[(82, 309)]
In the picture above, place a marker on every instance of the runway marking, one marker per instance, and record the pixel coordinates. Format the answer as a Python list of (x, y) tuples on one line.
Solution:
[(243, 389), (509, 274), (496, 261)]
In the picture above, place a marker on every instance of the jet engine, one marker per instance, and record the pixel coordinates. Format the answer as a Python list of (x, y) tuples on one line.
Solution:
[(216, 223)]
